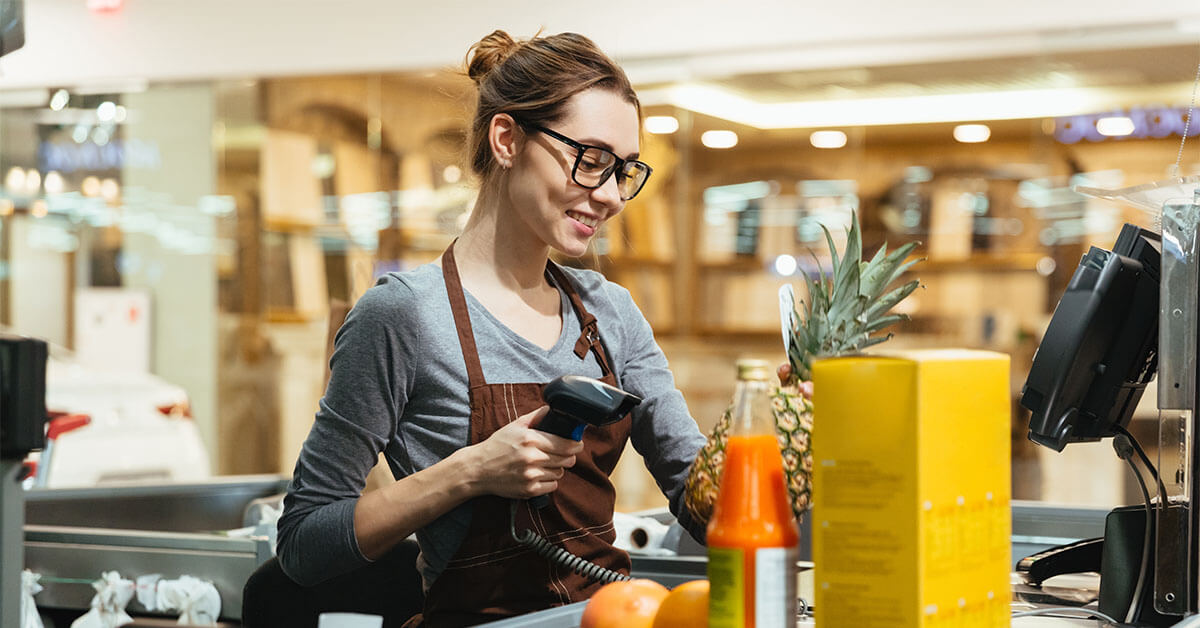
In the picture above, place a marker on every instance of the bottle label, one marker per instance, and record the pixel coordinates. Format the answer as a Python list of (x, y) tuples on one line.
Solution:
[(727, 593), (775, 587)]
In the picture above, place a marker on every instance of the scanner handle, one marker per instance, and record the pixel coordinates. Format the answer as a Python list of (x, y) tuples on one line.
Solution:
[(560, 425)]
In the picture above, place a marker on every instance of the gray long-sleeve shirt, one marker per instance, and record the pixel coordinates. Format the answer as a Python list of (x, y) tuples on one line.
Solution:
[(398, 385)]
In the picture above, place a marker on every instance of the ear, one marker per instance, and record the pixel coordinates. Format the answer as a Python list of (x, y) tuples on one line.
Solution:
[(505, 138)]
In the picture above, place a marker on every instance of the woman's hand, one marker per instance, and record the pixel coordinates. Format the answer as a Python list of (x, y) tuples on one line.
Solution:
[(520, 462), (785, 374)]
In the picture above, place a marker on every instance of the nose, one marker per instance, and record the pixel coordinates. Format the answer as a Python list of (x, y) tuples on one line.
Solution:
[(609, 195)]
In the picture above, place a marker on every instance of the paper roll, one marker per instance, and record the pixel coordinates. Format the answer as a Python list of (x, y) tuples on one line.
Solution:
[(640, 535)]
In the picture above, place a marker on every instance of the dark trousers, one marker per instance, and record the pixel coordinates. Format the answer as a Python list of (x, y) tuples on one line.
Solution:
[(390, 587)]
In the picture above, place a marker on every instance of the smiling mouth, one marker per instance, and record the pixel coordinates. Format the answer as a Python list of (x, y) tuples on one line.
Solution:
[(591, 222)]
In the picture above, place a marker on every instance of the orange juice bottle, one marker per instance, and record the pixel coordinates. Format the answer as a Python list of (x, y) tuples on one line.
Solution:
[(752, 536)]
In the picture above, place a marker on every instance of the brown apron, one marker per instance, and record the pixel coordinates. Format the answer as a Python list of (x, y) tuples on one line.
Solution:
[(492, 577)]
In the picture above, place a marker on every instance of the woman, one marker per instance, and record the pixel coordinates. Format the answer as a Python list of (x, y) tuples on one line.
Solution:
[(441, 367)]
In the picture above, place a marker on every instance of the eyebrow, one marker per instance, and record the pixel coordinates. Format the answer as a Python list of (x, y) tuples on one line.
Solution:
[(591, 141)]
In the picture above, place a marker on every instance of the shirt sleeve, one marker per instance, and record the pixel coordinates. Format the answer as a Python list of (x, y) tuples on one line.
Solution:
[(664, 432), (367, 391)]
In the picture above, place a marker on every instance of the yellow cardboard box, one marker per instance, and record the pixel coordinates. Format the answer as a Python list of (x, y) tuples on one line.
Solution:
[(911, 488)]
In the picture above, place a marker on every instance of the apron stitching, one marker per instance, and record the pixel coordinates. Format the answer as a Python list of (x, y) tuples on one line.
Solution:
[(559, 587), (571, 534), (512, 403), (575, 534), (490, 557)]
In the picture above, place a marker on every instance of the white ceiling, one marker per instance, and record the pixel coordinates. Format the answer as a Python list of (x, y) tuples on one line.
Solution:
[(171, 40)]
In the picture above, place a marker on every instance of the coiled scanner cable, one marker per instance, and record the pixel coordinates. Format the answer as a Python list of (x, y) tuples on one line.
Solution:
[(560, 556)]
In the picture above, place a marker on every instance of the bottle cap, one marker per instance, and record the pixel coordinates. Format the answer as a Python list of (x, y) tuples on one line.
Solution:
[(753, 370)]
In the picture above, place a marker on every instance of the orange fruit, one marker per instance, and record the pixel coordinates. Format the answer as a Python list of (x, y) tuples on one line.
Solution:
[(628, 604), (685, 607)]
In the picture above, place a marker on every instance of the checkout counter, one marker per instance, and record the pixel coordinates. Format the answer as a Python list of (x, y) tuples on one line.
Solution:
[(1036, 527), (209, 530), (75, 534)]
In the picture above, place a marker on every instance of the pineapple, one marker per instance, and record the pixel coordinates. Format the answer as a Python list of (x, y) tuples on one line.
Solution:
[(841, 313)]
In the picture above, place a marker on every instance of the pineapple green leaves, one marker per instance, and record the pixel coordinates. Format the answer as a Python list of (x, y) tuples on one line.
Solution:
[(841, 312)]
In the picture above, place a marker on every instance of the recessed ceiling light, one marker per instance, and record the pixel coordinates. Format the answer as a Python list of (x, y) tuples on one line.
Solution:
[(59, 100), (661, 125), (972, 133), (1115, 126), (719, 139), (827, 139)]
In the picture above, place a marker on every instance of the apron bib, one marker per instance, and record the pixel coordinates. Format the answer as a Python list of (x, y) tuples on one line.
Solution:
[(491, 577)]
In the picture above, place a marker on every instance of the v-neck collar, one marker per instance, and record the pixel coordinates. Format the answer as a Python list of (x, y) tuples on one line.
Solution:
[(566, 315)]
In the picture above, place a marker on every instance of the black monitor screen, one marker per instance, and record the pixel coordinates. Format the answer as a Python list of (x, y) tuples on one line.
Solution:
[(12, 25), (1101, 347)]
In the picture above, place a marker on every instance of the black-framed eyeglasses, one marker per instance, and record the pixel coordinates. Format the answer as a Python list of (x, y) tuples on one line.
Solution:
[(594, 165)]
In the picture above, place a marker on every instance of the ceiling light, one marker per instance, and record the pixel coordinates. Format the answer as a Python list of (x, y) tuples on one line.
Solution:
[(100, 136), (39, 208), (1115, 126), (451, 174), (110, 190), (106, 111), (59, 100), (972, 133), (15, 179), (719, 139), (661, 125), (827, 139), (90, 186), (33, 181), (785, 265), (54, 183), (120, 114), (719, 102)]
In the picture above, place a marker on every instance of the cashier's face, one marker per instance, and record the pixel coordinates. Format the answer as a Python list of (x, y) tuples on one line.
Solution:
[(557, 210)]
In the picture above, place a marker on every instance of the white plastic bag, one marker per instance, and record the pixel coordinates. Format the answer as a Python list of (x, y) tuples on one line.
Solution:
[(147, 591), (197, 600), (29, 588), (108, 605)]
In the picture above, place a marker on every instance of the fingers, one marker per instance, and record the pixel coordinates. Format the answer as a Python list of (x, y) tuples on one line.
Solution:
[(528, 420), (539, 488), (559, 462), (557, 445), (784, 372)]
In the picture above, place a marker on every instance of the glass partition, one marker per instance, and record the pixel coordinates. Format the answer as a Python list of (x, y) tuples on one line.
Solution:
[(244, 217)]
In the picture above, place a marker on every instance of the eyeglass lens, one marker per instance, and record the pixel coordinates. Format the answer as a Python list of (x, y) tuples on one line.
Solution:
[(595, 165)]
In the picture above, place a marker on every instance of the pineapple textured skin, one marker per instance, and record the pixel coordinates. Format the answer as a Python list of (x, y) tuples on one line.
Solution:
[(839, 315), (793, 429)]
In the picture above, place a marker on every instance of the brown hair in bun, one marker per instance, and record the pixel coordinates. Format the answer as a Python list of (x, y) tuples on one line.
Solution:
[(531, 80)]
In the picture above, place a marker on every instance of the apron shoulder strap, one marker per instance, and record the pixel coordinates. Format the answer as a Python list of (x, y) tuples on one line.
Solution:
[(589, 328), (462, 318)]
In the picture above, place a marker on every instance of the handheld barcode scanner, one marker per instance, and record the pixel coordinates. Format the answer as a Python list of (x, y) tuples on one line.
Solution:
[(577, 402)]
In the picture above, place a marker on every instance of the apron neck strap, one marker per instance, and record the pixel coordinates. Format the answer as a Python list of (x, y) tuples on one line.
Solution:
[(462, 318), (589, 327), (589, 336)]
